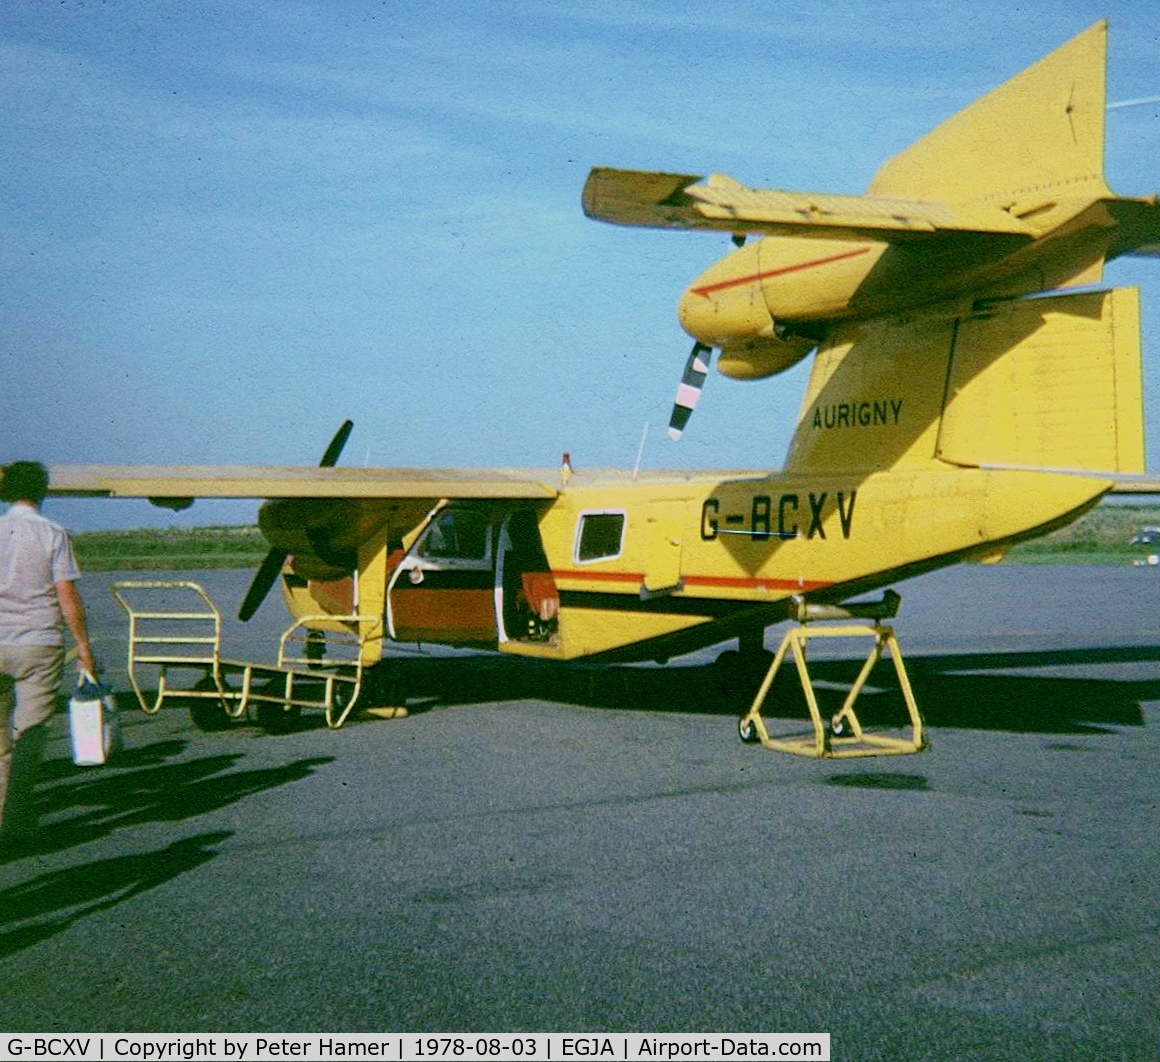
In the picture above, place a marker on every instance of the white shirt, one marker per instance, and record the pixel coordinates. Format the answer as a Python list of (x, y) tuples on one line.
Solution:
[(35, 554)]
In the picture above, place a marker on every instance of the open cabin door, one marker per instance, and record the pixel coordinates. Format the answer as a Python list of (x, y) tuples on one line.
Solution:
[(527, 599), (443, 590)]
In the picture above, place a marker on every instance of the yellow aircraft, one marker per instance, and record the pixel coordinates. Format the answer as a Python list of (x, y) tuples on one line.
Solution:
[(953, 410)]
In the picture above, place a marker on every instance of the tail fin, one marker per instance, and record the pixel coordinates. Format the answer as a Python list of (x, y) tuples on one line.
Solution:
[(1039, 135), (1050, 383)]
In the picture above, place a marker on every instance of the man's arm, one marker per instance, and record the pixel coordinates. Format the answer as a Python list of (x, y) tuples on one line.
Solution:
[(73, 609)]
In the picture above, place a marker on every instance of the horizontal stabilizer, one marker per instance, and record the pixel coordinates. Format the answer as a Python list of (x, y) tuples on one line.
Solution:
[(679, 201)]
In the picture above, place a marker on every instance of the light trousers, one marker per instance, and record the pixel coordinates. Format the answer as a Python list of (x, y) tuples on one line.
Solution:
[(29, 685)]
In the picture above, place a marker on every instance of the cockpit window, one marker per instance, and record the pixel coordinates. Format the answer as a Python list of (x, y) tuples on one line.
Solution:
[(599, 537), (458, 534)]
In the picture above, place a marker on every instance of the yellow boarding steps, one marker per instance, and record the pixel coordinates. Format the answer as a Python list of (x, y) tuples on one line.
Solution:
[(844, 737), (182, 631)]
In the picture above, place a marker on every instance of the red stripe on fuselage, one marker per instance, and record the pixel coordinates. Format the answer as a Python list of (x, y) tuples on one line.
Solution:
[(721, 582), (710, 289)]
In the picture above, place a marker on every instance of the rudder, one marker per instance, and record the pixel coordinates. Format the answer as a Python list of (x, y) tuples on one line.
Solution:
[(1052, 383)]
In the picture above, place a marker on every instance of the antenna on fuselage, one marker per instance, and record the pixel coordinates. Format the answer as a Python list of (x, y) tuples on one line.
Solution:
[(640, 451)]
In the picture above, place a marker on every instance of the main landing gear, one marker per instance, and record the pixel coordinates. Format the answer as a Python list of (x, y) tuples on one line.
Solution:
[(736, 673), (843, 736)]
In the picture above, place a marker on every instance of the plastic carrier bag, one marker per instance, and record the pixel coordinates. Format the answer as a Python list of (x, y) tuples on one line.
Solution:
[(93, 726)]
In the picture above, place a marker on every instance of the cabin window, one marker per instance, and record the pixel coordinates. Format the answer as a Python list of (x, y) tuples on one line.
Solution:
[(599, 537)]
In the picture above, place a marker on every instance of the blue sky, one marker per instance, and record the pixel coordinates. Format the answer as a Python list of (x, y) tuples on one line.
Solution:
[(226, 227)]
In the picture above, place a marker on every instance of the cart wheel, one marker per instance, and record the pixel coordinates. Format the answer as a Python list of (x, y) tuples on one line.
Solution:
[(747, 730), (839, 727), (208, 714), (275, 719)]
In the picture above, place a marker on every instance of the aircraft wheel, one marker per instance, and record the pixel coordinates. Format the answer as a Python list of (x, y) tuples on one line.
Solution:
[(724, 676), (747, 730), (757, 663), (737, 676), (727, 660), (383, 685), (276, 719)]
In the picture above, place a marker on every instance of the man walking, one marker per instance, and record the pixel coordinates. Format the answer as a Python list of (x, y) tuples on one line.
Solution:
[(38, 599)]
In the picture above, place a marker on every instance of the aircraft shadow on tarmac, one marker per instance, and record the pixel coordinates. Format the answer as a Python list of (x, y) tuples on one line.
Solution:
[(1012, 692), (46, 905)]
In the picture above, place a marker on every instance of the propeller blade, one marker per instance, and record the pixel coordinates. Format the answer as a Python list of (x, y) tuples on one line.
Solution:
[(271, 567), (265, 577), (334, 450), (689, 390)]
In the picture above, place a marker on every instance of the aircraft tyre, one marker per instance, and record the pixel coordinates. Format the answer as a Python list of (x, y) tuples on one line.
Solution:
[(747, 730), (725, 675), (737, 676), (383, 685)]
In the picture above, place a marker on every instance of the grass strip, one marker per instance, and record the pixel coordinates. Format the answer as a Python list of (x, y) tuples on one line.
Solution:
[(166, 549)]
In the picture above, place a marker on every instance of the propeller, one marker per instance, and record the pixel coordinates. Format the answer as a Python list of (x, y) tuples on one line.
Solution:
[(264, 579), (689, 389), (334, 451), (271, 566)]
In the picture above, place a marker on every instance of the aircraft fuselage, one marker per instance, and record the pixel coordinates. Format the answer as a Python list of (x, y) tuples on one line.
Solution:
[(652, 567)]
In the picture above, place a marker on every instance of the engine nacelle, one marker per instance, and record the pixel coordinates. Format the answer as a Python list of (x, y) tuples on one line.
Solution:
[(760, 358), (738, 299), (321, 535)]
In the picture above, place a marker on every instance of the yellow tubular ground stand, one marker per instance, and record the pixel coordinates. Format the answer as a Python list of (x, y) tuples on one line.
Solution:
[(184, 633), (844, 738)]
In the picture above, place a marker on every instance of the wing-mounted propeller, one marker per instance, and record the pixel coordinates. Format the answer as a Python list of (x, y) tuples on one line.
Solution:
[(689, 389), (333, 452), (271, 566)]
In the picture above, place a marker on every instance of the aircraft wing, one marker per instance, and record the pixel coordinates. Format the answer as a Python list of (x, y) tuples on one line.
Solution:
[(684, 201), (1135, 485), (175, 486)]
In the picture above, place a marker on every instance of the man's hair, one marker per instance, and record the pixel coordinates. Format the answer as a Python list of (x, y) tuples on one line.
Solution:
[(23, 481)]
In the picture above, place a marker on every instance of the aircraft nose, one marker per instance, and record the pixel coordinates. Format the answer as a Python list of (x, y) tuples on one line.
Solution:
[(724, 306)]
